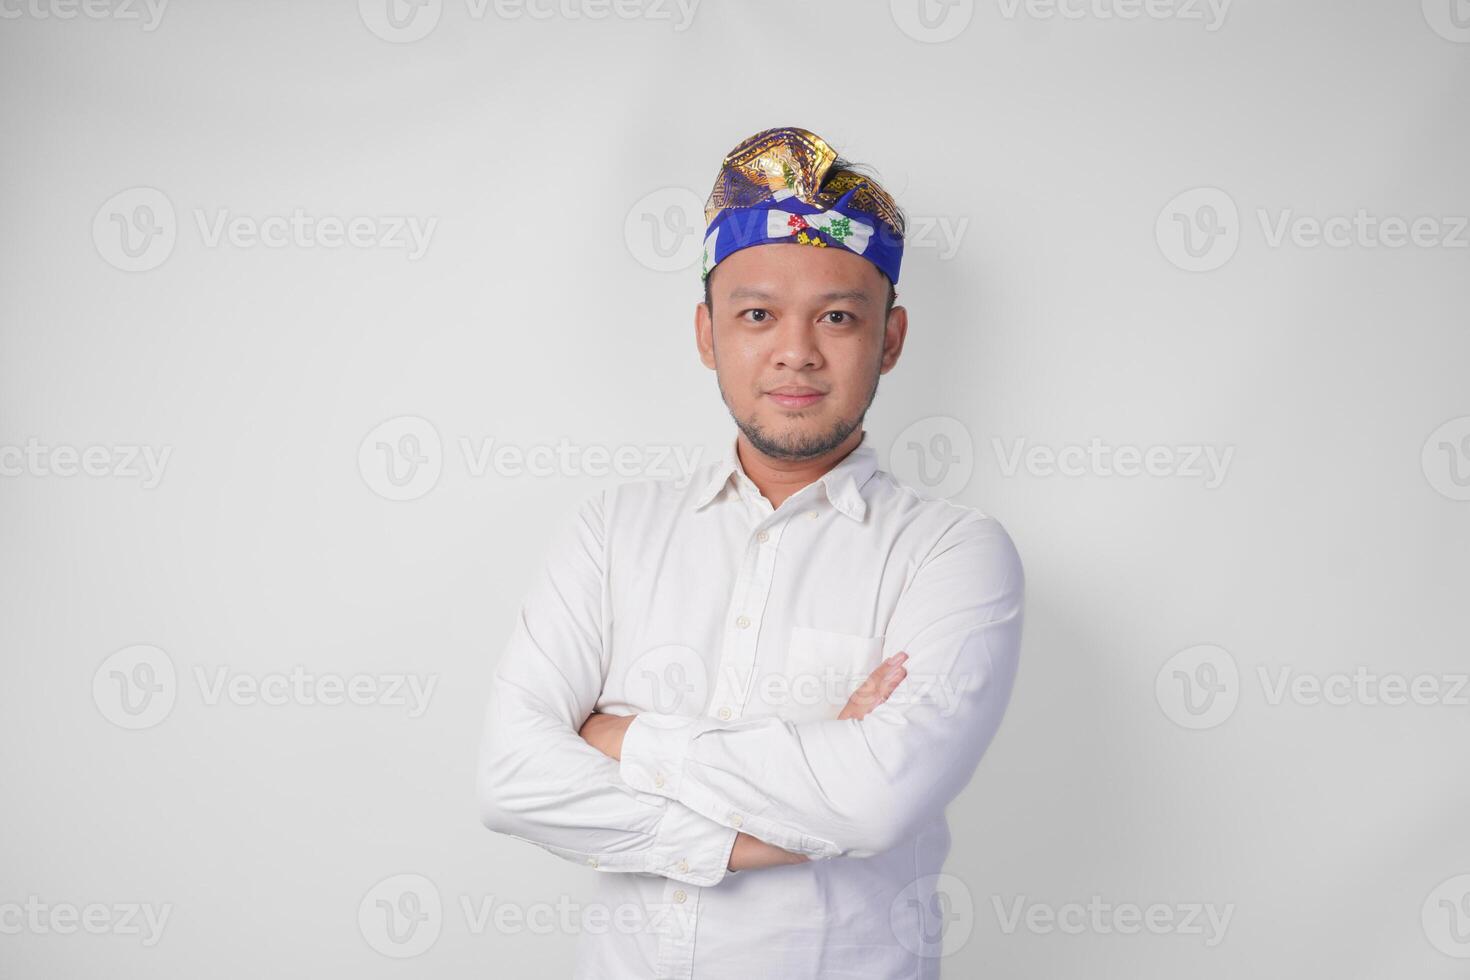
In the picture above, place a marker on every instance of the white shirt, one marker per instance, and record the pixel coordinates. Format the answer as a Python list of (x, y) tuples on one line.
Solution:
[(736, 632)]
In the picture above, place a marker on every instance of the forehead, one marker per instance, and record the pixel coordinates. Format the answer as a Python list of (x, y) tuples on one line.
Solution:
[(790, 270)]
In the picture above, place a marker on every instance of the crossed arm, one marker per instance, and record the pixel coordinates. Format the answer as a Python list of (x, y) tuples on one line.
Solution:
[(605, 734), (690, 798)]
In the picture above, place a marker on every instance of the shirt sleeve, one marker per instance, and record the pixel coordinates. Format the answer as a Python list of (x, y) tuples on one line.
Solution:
[(858, 787), (537, 779)]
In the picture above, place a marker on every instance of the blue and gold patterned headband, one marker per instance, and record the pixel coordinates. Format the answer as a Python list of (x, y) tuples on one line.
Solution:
[(776, 187)]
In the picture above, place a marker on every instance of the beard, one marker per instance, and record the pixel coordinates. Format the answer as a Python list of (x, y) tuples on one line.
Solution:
[(799, 446)]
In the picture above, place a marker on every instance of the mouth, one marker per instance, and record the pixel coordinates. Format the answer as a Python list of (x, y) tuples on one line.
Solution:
[(795, 396)]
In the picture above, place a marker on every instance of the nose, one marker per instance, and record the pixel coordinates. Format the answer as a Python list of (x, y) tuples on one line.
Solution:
[(796, 345)]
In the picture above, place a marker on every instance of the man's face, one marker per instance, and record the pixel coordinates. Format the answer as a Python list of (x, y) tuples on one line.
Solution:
[(797, 341)]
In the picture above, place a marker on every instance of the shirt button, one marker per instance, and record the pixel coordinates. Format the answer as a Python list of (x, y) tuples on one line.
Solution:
[(683, 865), (658, 780), (811, 515), (743, 622), (737, 820), (680, 896), (763, 537), (592, 861), (724, 714)]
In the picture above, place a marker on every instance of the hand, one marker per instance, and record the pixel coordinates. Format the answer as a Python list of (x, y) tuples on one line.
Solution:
[(876, 689), (605, 732), (750, 853)]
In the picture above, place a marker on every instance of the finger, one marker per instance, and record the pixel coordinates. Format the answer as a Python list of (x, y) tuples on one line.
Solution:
[(859, 701), (873, 692), (881, 671), (867, 691), (881, 682), (890, 683)]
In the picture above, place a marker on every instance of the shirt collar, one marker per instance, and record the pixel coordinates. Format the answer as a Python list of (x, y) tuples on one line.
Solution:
[(843, 483)]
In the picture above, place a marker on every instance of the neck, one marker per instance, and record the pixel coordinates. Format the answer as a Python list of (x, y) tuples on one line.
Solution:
[(778, 479)]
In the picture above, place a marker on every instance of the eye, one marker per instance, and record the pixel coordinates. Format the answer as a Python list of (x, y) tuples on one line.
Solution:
[(762, 314), (842, 315)]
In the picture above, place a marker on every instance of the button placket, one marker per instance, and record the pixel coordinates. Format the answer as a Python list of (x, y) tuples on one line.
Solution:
[(742, 636), (675, 923)]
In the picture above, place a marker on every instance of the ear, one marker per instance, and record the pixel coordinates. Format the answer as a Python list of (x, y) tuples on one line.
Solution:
[(704, 335), (894, 333)]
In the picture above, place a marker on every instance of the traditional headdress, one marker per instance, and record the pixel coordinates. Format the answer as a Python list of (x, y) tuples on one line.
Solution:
[(778, 186)]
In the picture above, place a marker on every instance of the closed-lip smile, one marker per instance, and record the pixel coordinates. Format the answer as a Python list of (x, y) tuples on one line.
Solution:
[(795, 396)]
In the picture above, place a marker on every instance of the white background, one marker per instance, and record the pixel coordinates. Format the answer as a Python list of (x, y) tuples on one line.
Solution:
[(1041, 155)]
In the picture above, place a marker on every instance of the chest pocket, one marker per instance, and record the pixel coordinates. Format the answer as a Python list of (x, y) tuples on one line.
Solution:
[(822, 669)]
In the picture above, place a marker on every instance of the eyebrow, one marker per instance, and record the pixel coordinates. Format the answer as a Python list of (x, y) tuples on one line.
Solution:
[(750, 292)]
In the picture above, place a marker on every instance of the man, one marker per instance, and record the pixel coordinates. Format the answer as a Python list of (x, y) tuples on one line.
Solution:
[(677, 705)]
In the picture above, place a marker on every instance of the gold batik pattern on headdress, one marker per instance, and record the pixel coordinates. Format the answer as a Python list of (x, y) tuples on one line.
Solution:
[(798, 160)]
